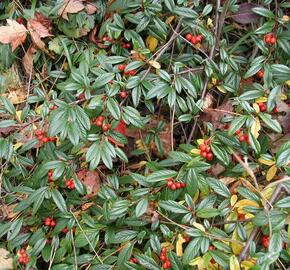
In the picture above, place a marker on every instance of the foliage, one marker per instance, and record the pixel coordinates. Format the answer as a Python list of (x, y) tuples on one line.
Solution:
[(145, 134)]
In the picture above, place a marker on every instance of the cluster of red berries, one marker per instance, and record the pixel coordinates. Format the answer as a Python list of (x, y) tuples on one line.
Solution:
[(260, 74), (127, 73), (126, 45), (205, 151), (42, 138), (23, 257), (270, 39), (99, 122), (123, 94), (70, 184), (194, 39), (49, 176), (212, 259), (49, 222), (164, 259), (242, 137), (133, 260), (175, 185)]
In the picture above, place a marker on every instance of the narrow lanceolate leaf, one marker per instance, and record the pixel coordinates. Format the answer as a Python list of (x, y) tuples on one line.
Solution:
[(141, 207), (173, 206), (237, 123), (147, 262), (270, 122), (59, 200), (161, 175), (218, 187)]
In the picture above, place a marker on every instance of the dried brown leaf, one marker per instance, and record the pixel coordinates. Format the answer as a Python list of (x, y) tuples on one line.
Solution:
[(27, 61), (91, 180), (91, 8), (70, 6), (245, 15), (14, 34)]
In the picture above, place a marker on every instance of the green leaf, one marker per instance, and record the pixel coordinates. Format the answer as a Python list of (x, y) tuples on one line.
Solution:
[(124, 256), (141, 207), (254, 143), (207, 212), (283, 203), (147, 262), (134, 65), (250, 95), (237, 123), (7, 123), (191, 251), (220, 153), (275, 242), (218, 187), (59, 200), (113, 108), (161, 175), (270, 122), (173, 206), (264, 12), (103, 79)]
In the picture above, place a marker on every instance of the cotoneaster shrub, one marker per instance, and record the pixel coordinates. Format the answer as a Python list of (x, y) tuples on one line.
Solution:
[(144, 134)]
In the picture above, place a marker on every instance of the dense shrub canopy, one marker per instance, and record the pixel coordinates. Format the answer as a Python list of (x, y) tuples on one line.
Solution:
[(144, 134)]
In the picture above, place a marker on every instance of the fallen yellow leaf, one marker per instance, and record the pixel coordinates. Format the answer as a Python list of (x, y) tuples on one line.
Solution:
[(266, 161), (154, 64), (151, 43), (234, 263), (236, 246), (198, 226), (221, 89), (234, 199), (179, 249), (256, 127), (246, 202), (256, 107), (271, 173)]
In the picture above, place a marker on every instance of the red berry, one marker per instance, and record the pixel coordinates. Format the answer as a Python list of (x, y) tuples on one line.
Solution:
[(238, 131), (135, 260), (123, 94), (265, 241), (203, 154), (193, 40), (50, 173), (262, 107), (242, 138), (163, 257), (168, 263), (72, 185), (127, 73), (170, 183), (52, 223), (163, 250), (26, 260), (207, 149), (227, 126), (202, 147), (99, 123), (47, 222), (173, 187), (199, 38), (241, 216), (183, 185), (131, 260), (211, 248), (260, 74), (273, 40), (44, 140), (39, 132), (132, 72), (128, 45), (21, 260), (209, 156), (20, 20), (178, 185), (106, 127), (121, 67), (101, 118), (65, 230), (275, 110), (188, 37), (212, 261), (104, 38)]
